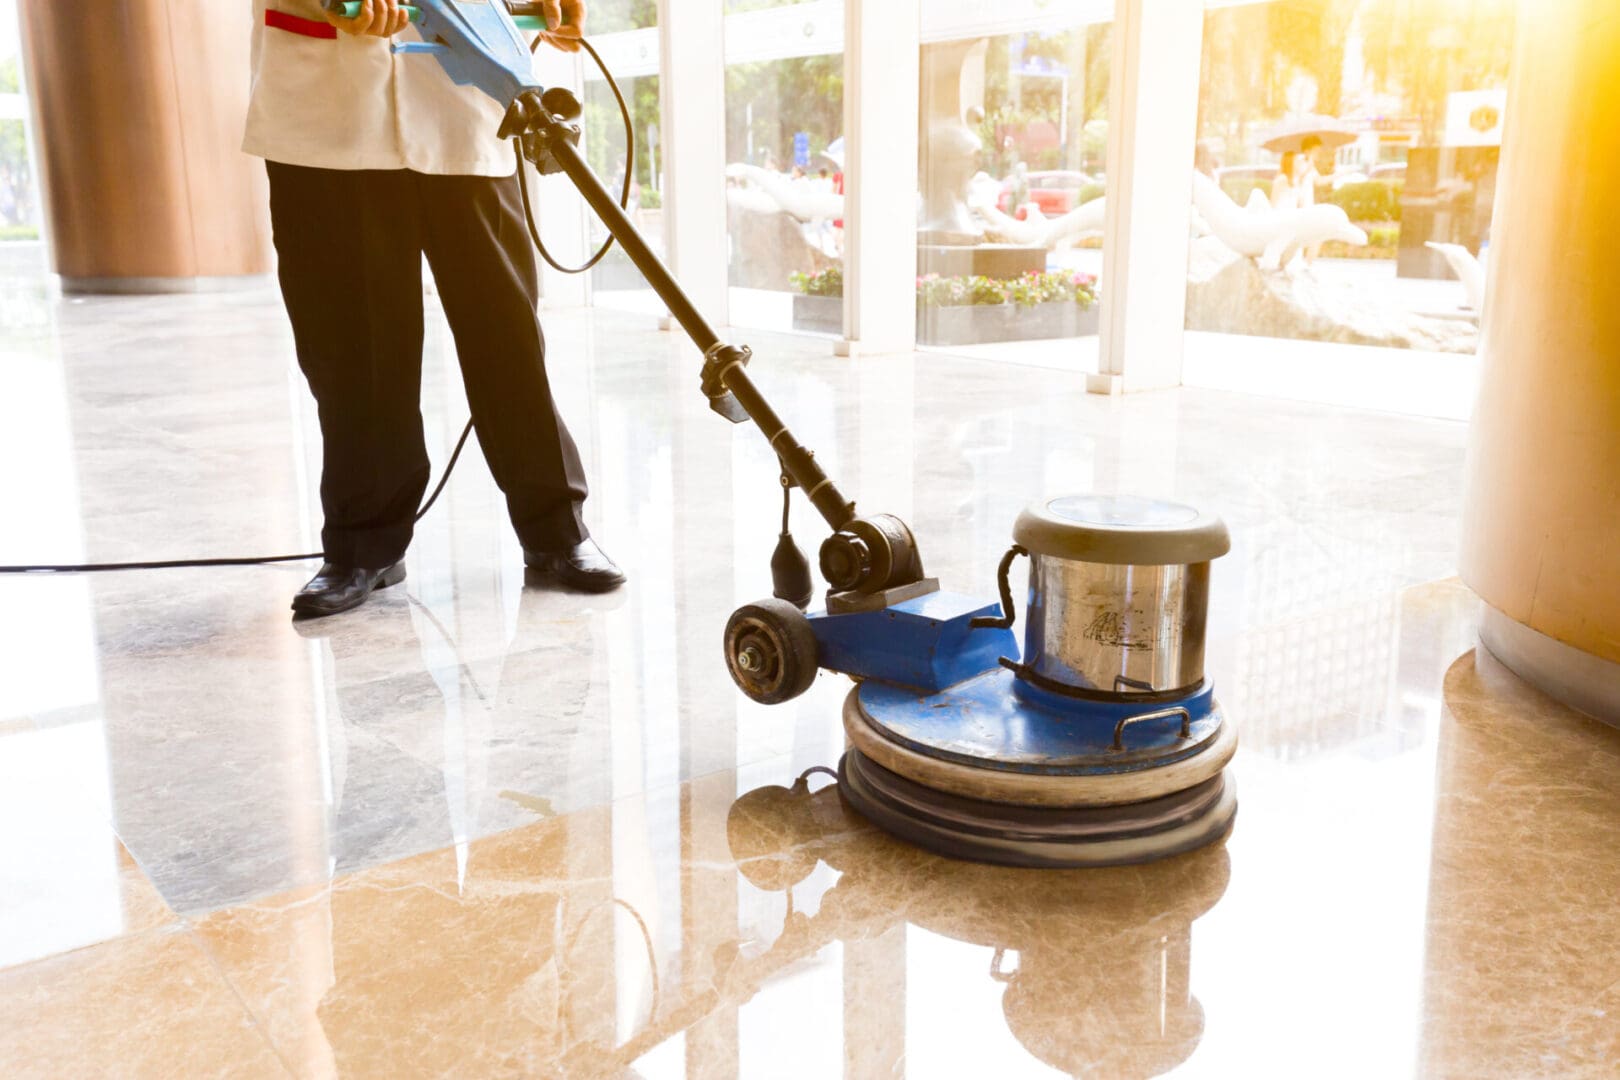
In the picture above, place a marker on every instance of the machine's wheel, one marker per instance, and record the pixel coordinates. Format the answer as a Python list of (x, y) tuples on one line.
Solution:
[(770, 651)]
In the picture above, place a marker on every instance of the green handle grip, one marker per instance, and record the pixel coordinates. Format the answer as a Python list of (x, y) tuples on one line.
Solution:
[(350, 9)]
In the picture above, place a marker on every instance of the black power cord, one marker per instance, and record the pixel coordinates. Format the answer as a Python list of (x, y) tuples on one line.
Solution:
[(246, 560), (534, 234), (629, 172)]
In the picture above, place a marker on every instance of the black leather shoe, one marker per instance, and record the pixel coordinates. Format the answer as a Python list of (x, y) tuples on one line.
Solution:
[(339, 588), (584, 566)]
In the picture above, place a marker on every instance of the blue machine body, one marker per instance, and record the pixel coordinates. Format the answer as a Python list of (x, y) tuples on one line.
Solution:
[(924, 644), (477, 44), (998, 721), (935, 684)]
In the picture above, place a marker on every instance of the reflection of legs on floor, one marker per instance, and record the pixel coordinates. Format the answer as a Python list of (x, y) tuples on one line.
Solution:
[(385, 802), (485, 714), (543, 753)]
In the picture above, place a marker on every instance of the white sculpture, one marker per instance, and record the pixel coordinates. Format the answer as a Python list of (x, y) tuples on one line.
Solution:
[(802, 199), (753, 199), (1274, 237), (1036, 230), (983, 190), (1469, 270)]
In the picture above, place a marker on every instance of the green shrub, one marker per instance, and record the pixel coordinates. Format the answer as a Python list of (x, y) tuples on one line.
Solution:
[(18, 232), (1089, 192), (651, 199), (1368, 201), (1054, 286), (828, 282), (1384, 236)]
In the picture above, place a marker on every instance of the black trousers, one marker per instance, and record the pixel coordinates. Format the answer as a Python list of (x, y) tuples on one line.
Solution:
[(350, 247)]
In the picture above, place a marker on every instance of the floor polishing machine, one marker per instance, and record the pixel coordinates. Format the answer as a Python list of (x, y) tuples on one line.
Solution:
[(1098, 742)]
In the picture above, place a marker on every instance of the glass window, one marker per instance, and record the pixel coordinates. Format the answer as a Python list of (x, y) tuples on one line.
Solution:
[(1014, 174), (618, 16), (625, 33), (1345, 172), (19, 198), (785, 164)]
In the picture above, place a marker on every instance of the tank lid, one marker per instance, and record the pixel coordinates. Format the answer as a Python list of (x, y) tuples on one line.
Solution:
[(1121, 529)]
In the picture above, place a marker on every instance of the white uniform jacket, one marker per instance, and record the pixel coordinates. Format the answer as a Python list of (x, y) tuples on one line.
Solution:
[(330, 100)]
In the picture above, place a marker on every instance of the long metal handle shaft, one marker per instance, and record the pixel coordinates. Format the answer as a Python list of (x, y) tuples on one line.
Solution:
[(800, 463)]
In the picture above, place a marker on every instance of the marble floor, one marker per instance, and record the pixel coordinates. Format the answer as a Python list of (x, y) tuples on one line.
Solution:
[(481, 828)]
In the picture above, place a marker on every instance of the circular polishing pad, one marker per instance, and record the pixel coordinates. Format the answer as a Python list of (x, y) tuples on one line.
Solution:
[(1037, 836), (1035, 789)]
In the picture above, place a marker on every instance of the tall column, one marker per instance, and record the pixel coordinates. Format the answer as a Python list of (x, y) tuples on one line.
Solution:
[(1542, 503), (693, 91), (882, 39), (1152, 127), (139, 111)]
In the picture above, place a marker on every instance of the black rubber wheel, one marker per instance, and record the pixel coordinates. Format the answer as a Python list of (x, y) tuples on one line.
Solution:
[(770, 651)]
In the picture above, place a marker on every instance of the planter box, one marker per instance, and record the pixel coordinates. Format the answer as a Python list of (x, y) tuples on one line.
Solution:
[(818, 314), (985, 324), (977, 324)]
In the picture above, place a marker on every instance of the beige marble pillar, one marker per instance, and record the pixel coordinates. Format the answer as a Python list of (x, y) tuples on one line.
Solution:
[(139, 110), (1541, 539)]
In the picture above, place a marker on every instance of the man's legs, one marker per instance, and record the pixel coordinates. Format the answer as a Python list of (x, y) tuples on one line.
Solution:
[(483, 264), (351, 275)]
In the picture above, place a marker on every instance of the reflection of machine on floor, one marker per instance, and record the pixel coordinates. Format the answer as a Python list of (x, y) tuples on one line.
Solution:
[(1103, 745), (1101, 982), (1097, 967)]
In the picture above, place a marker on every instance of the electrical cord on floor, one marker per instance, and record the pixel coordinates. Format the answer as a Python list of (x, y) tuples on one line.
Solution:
[(534, 234), (246, 560)]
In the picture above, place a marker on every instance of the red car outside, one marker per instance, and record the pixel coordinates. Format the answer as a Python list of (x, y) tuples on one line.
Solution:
[(1056, 191)]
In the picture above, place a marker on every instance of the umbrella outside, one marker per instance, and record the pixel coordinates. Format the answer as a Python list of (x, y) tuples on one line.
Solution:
[(1290, 135), (835, 152)]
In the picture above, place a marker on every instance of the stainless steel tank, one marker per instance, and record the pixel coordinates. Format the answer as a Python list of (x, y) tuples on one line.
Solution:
[(1118, 592)]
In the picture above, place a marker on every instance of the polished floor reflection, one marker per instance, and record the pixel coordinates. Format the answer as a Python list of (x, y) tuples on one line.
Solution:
[(481, 828)]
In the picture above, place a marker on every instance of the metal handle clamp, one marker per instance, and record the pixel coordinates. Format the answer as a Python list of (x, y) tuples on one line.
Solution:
[(1157, 714)]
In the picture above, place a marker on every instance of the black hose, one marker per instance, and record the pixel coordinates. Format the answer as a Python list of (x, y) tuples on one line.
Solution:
[(629, 173), (244, 560), (1009, 613)]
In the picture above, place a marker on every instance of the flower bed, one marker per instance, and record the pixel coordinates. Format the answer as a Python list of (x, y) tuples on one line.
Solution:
[(828, 282)]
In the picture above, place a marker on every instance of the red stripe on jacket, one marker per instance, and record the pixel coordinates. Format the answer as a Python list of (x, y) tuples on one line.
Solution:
[(280, 20)]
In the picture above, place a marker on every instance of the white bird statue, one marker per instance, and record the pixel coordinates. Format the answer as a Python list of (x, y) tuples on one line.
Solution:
[(801, 199), (983, 190), (1274, 237), (752, 199), (1469, 270), (1037, 230)]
